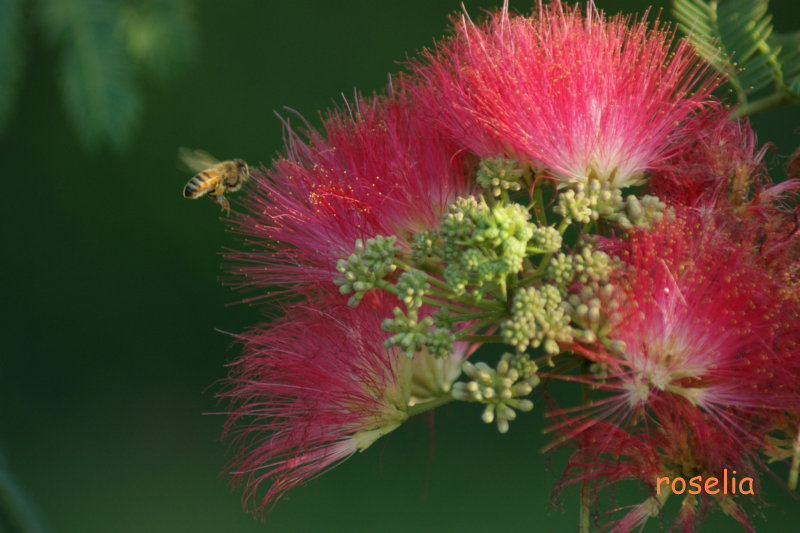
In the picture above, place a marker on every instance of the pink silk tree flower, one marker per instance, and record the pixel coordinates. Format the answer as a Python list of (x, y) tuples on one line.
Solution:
[(376, 168), (316, 387), (676, 442), (700, 313), (719, 169), (717, 163), (703, 357), (577, 95)]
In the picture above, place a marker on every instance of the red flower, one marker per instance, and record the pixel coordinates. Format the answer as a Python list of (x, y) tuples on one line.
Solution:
[(719, 169), (581, 95), (717, 163), (377, 167), (703, 359), (311, 390)]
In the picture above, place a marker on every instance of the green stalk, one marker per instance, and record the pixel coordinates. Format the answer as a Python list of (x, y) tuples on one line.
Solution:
[(777, 99), (538, 206), (480, 338), (584, 517), (488, 318), (430, 279), (455, 307), (795, 468), (427, 406)]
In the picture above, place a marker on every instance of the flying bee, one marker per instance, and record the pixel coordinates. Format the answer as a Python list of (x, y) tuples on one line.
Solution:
[(214, 178)]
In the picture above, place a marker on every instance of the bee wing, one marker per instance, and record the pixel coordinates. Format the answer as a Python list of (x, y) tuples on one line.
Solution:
[(196, 160)]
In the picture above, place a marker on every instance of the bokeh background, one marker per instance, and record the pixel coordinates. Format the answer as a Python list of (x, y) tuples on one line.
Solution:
[(112, 309)]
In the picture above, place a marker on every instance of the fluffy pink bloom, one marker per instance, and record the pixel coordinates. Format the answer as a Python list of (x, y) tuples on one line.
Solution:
[(675, 442), (377, 168), (318, 386), (700, 310), (717, 163), (708, 359), (719, 169), (579, 94)]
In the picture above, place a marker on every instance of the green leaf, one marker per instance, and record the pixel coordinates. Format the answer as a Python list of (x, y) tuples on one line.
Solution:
[(11, 57), (98, 87), (96, 76), (734, 36), (789, 58), (160, 36)]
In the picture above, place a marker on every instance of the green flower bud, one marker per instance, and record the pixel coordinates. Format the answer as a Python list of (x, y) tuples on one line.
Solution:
[(502, 388), (538, 316), (500, 174), (369, 263)]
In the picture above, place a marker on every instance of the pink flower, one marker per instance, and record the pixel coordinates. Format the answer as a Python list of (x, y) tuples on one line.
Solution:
[(702, 359), (719, 169), (377, 168), (581, 95), (700, 309), (318, 386), (675, 442), (717, 163)]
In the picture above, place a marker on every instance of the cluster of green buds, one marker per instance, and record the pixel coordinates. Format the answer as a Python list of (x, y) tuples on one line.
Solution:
[(589, 201), (538, 317), (502, 389), (497, 275), (638, 212), (594, 309), (413, 334), (369, 263), (585, 266), (483, 245), (499, 176)]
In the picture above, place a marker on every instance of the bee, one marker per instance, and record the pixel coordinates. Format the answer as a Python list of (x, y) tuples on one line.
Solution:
[(214, 178)]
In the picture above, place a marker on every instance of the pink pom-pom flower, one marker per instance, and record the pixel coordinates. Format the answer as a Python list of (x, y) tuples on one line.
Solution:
[(700, 364), (577, 95), (377, 168), (318, 386)]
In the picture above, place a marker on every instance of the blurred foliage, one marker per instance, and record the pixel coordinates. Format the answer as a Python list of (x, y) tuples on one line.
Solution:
[(109, 338), (159, 34), (737, 37), (105, 47), (10, 55)]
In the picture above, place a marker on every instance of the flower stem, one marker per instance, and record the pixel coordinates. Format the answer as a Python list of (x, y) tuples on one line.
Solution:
[(583, 519), (584, 514), (457, 308), (427, 406), (480, 338), (776, 99), (795, 468), (538, 206)]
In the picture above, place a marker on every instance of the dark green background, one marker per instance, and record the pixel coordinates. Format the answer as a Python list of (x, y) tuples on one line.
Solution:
[(110, 300)]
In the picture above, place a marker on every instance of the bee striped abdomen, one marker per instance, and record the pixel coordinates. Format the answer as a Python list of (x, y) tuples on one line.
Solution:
[(218, 178), (201, 184)]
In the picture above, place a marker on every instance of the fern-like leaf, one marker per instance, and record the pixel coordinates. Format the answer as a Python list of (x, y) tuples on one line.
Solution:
[(734, 36), (790, 59), (96, 76), (98, 87)]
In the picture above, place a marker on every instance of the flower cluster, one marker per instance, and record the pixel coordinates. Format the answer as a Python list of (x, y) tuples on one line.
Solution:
[(324, 381), (563, 184), (321, 383), (576, 94), (702, 364)]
